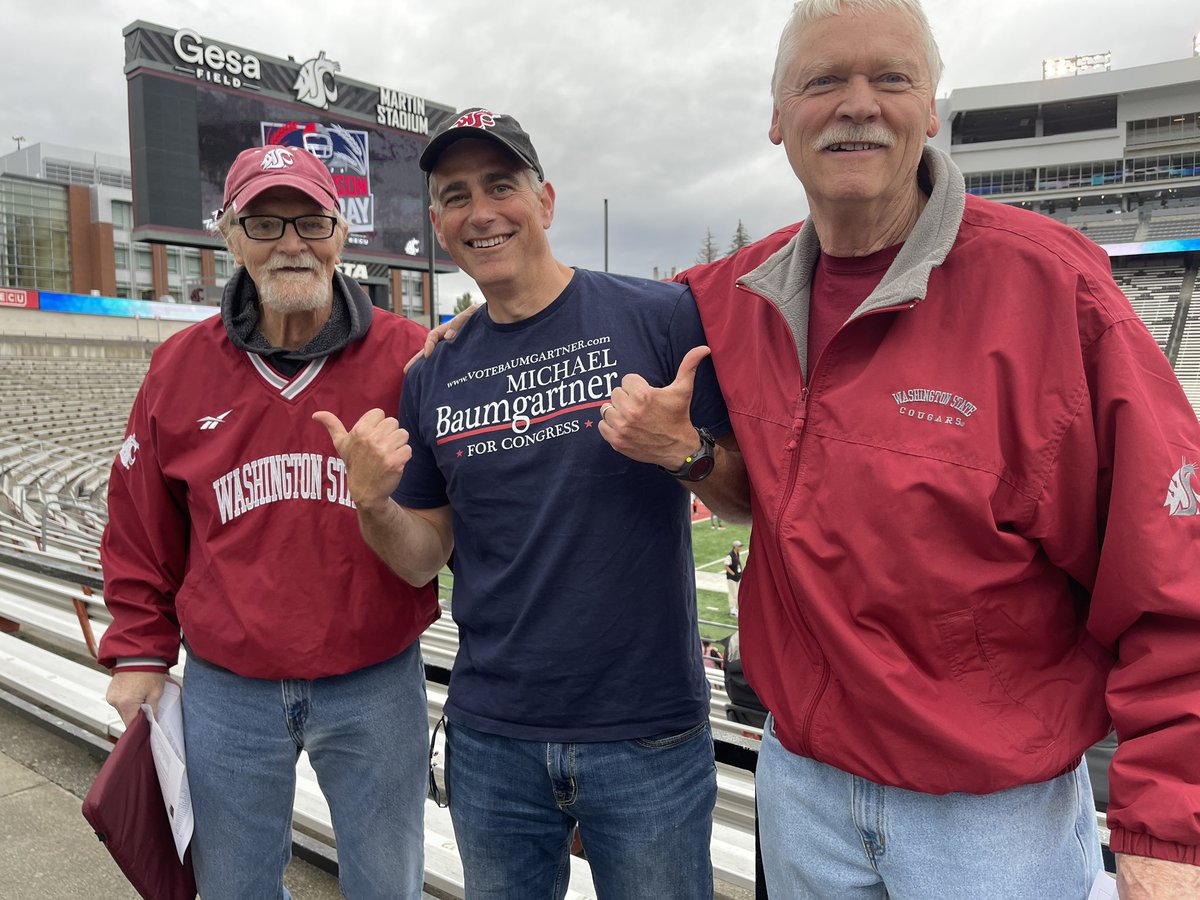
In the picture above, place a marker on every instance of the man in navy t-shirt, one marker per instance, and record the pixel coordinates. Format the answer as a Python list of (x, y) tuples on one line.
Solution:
[(578, 694)]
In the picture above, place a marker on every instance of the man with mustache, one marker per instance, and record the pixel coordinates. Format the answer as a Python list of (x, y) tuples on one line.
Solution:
[(232, 527), (959, 437)]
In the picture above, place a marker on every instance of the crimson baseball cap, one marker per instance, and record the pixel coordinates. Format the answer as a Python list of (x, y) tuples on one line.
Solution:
[(260, 168), (484, 124)]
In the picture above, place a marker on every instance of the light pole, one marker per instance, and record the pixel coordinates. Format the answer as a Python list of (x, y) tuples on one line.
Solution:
[(430, 249), (605, 234)]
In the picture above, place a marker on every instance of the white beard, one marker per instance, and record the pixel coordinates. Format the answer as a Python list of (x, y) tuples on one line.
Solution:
[(286, 294), (293, 292)]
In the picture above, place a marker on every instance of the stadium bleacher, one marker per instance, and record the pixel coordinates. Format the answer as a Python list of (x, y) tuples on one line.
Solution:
[(1160, 288), (1153, 289), (1173, 224), (1118, 228), (62, 419), (1187, 363)]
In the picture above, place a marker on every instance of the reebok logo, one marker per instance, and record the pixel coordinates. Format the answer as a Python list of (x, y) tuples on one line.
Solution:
[(208, 423)]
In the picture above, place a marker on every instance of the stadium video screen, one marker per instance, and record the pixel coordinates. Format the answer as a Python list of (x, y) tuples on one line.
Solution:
[(378, 181), (182, 130)]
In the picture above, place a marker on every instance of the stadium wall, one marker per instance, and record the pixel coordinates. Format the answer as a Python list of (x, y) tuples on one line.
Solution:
[(32, 328)]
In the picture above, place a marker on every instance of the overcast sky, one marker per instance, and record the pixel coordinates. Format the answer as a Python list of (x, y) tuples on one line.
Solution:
[(660, 106)]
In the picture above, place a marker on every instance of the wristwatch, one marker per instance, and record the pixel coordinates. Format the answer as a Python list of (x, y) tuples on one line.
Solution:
[(699, 464)]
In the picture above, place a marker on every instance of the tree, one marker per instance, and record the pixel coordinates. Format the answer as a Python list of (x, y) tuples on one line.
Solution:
[(462, 303), (708, 250), (741, 238)]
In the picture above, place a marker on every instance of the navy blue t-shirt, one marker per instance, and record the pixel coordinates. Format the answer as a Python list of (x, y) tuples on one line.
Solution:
[(574, 586)]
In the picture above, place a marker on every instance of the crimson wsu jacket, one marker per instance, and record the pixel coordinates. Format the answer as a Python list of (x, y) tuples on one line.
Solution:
[(975, 520), (230, 517)]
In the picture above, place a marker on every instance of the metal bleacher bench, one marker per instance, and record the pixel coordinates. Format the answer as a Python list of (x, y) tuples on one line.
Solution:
[(54, 674)]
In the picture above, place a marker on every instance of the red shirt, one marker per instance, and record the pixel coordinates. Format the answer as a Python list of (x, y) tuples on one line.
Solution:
[(840, 284)]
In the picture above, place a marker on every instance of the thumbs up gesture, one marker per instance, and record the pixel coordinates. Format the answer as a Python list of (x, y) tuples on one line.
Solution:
[(654, 425), (375, 451)]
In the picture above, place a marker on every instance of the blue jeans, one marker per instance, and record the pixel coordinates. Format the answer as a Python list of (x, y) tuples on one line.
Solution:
[(825, 833), (367, 736), (644, 809)]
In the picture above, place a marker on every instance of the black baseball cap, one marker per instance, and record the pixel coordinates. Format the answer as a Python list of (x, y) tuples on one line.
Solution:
[(482, 124)]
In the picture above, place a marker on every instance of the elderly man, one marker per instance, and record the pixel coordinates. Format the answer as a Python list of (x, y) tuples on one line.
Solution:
[(578, 694), (959, 437), (230, 524)]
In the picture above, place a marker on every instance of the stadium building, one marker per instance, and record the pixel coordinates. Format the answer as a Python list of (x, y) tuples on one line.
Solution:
[(1112, 153), (67, 218), (76, 223)]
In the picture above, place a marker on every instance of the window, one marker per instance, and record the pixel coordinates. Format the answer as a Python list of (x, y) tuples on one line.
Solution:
[(412, 303), (1090, 174), (223, 264), (34, 235), (1181, 127), (122, 215), (121, 257), (191, 263), (1167, 166), (144, 259), (1075, 116), (65, 172), (1004, 124), (1005, 181)]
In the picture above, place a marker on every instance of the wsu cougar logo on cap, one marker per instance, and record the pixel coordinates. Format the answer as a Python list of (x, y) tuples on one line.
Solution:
[(480, 118), (257, 169), (277, 158), (484, 124)]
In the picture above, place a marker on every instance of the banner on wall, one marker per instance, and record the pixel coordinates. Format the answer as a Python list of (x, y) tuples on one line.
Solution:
[(18, 298), (116, 306)]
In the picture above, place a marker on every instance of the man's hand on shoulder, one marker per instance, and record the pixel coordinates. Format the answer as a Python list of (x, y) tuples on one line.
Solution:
[(654, 425), (129, 690), (1146, 878), (444, 332), (375, 451)]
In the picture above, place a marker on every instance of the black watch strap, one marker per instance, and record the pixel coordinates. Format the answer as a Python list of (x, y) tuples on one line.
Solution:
[(699, 464)]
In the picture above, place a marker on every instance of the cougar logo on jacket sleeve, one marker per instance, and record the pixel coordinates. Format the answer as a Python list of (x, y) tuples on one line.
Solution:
[(129, 449), (1181, 495)]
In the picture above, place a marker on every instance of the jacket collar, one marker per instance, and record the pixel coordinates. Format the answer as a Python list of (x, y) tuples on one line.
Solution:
[(785, 277)]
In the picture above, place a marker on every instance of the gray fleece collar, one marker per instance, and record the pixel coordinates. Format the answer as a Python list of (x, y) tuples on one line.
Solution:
[(348, 320), (785, 277)]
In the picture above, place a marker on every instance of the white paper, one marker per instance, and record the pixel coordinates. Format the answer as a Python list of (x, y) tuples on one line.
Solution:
[(166, 745), (1103, 888)]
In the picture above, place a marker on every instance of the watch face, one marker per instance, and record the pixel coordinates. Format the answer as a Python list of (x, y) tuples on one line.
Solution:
[(700, 468)]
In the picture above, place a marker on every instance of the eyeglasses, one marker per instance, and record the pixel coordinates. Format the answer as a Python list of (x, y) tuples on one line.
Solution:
[(437, 768), (271, 228)]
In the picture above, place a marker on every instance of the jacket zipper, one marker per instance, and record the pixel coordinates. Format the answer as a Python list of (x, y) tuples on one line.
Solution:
[(793, 447)]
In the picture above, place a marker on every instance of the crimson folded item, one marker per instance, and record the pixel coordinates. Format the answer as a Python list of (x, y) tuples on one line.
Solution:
[(125, 808)]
